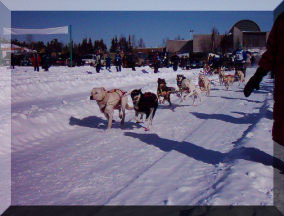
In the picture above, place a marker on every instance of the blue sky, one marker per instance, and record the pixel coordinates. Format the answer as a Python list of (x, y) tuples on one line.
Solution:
[(152, 26)]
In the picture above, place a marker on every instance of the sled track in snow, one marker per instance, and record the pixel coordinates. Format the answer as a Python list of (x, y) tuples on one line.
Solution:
[(237, 144), (154, 163), (225, 170), (148, 168)]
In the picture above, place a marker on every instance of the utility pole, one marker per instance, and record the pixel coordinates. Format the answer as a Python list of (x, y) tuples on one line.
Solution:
[(70, 45)]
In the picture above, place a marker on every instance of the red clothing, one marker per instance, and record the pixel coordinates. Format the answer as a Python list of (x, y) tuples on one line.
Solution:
[(36, 60), (273, 60)]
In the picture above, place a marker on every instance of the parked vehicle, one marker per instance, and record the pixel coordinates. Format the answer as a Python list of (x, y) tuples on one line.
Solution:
[(89, 59), (60, 61)]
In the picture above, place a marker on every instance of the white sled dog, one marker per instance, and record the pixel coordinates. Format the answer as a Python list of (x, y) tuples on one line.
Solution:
[(108, 101), (188, 89)]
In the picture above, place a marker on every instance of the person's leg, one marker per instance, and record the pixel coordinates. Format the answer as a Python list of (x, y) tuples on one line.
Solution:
[(279, 179)]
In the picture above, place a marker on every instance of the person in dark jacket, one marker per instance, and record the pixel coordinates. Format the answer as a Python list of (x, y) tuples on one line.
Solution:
[(45, 63), (117, 62), (156, 61), (108, 62), (36, 60), (131, 60), (272, 60), (175, 61), (98, 62)]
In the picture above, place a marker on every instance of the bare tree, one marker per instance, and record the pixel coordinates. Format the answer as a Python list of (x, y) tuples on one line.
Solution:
[(133, 41), (214, 36), (141, 43)]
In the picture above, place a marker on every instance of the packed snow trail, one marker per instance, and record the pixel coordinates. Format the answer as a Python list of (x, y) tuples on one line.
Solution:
[(62, 154)]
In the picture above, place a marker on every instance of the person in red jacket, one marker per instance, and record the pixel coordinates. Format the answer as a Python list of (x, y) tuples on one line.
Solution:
[(273, 60), (36, 61)]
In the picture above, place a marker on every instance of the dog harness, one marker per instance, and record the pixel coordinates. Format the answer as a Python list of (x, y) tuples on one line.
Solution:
[(114, 103)]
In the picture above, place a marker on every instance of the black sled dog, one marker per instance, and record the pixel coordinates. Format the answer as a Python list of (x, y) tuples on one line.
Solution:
[(146, 103)]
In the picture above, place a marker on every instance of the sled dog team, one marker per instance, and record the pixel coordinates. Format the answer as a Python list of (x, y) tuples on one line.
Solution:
[(147, 103)]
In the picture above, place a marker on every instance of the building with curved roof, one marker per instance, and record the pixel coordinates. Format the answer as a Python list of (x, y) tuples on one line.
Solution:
[(244, 33), (248, 34), (246, 26)]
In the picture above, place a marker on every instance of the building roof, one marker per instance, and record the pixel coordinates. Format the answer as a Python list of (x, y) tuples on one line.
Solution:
[(13, 47), (179, 46), (246, 25)]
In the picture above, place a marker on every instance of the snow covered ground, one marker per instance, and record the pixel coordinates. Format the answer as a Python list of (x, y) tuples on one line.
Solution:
[(216, 153)]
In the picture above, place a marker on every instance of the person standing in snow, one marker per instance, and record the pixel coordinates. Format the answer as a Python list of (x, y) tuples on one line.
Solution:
[(108, 62), (240, 59), (35, 59), (272, 60), (117, 62), (98, 62), (156, 61), (131, 60), (45, 61), (175, 61)]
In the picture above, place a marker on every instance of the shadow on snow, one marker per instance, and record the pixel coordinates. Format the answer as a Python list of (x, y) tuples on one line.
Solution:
[(95, 122), (206, 155)]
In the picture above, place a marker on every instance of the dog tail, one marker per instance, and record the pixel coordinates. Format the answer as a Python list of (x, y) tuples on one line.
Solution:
[(128, 107)]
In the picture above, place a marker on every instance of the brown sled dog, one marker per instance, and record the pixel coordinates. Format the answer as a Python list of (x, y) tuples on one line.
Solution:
[(164, 91), (204, 84)]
